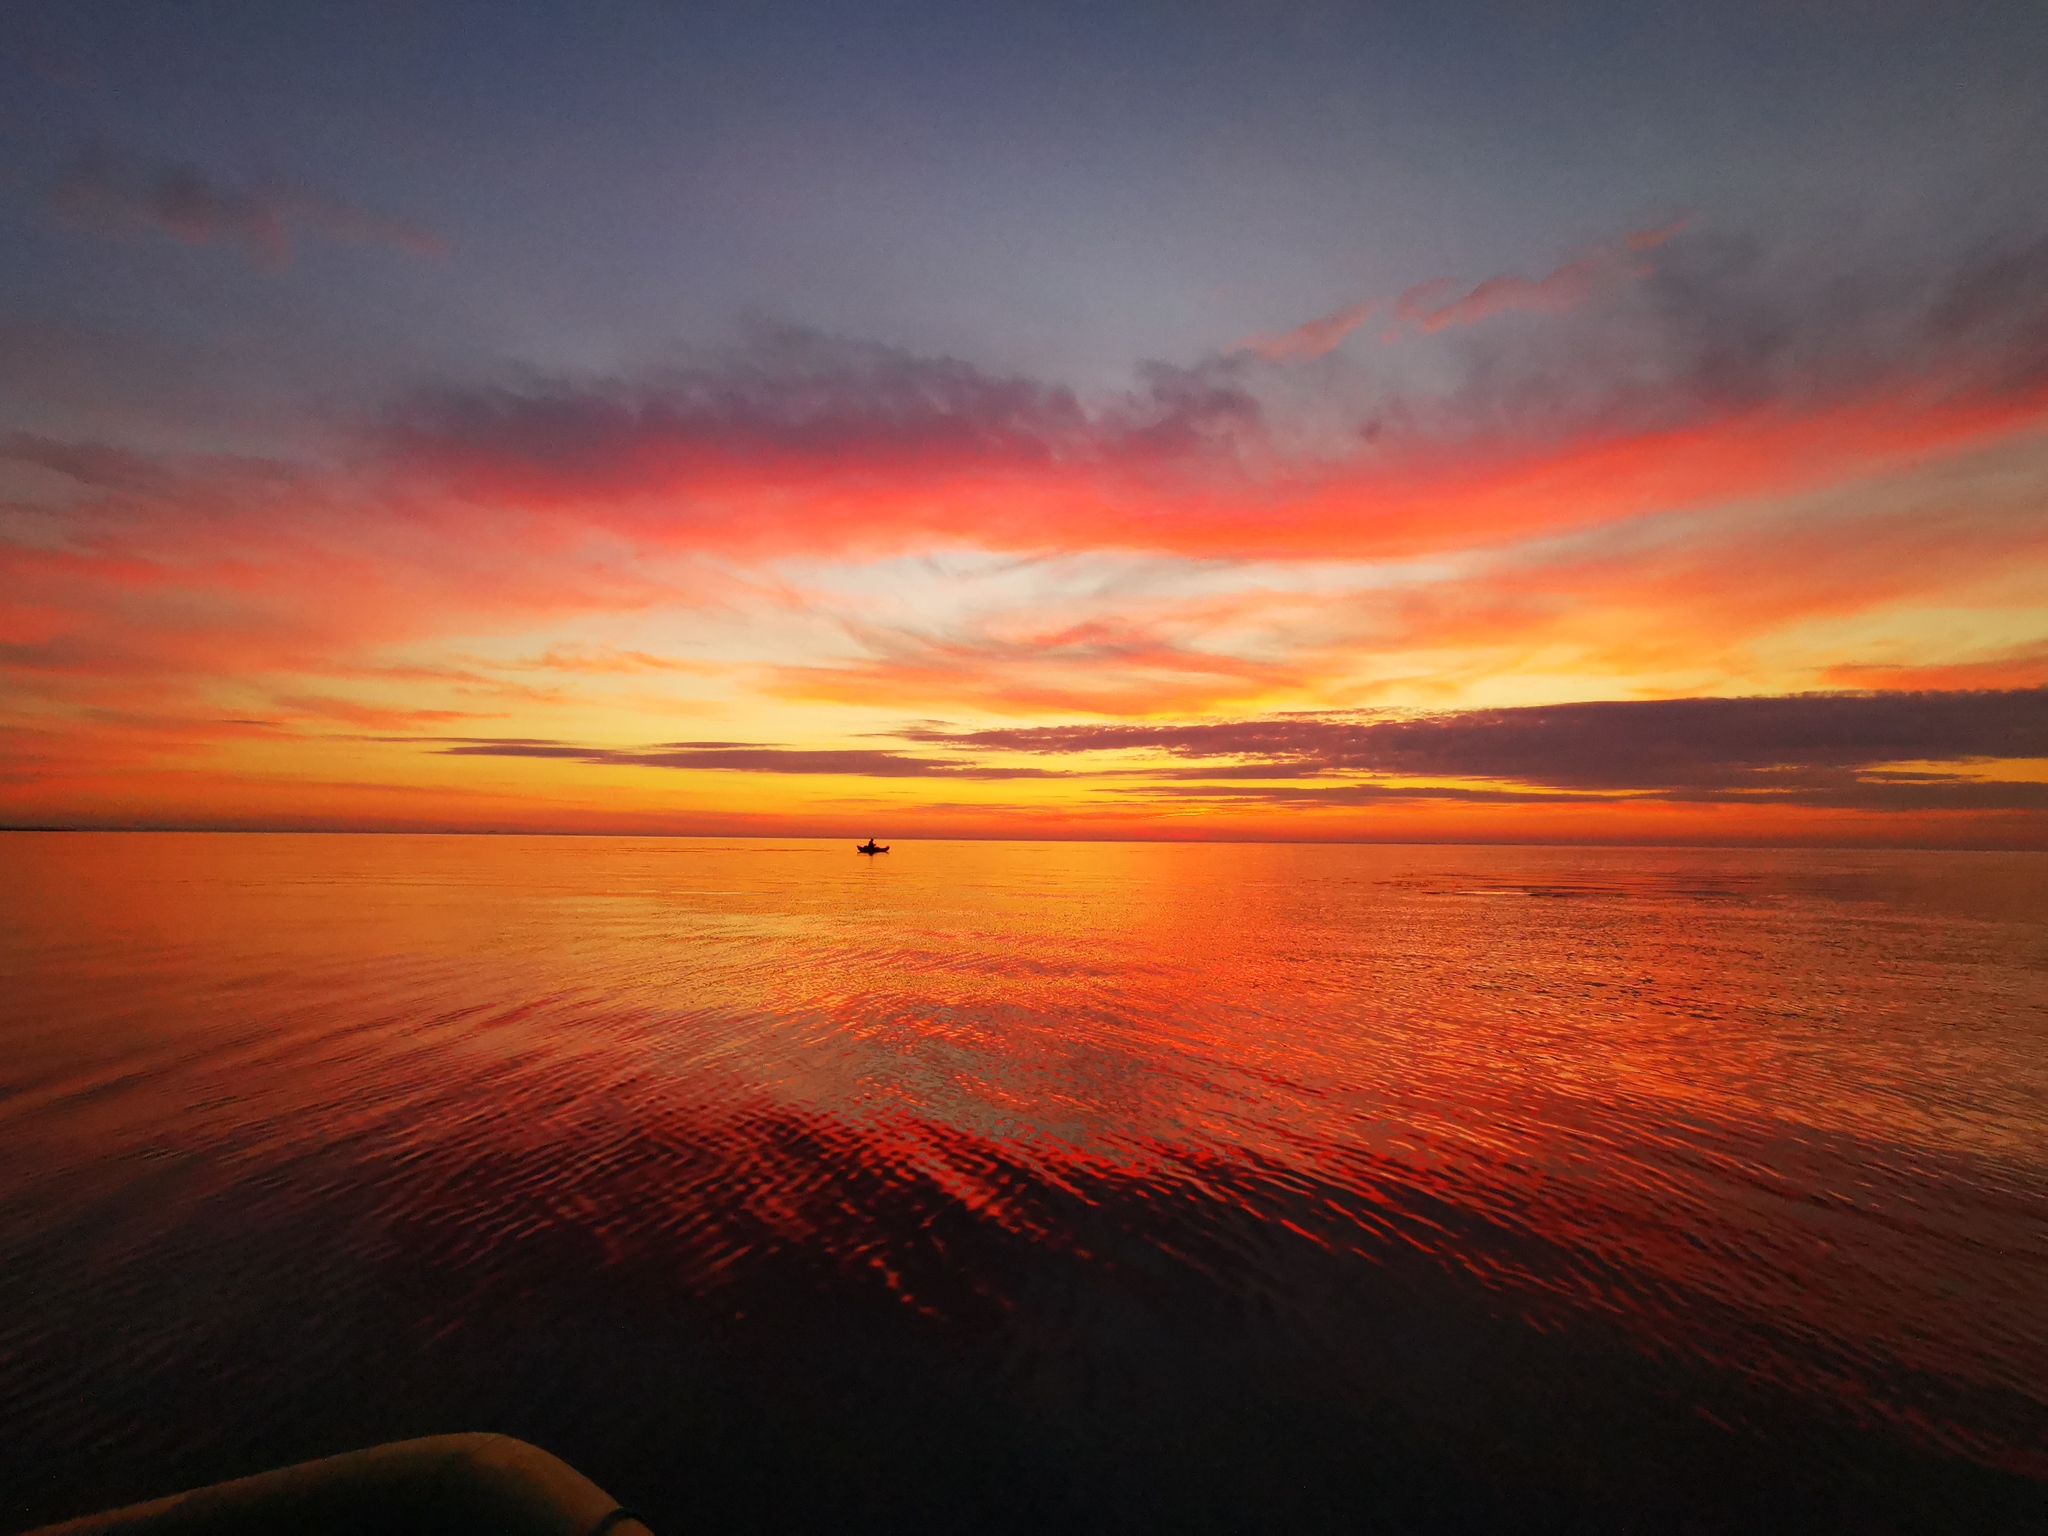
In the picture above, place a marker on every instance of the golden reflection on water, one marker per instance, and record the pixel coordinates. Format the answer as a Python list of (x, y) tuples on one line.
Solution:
[(1781, 1114)]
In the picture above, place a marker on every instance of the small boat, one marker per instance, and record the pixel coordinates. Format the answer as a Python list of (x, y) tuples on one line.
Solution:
[(871, 846)]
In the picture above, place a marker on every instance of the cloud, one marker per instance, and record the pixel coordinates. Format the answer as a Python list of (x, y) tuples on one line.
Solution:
[(1436, 304), (1105, 666), (612, 660), (1429, 306), (1814, 752), (1312, 338), (737, 757), (1608, 497), (107, 191), (470, 509), (1565, 287), (1808, 749), (1720, 378), (1688, 596), (323, 707), (1841, 793), (792, 405), (2023, 666)]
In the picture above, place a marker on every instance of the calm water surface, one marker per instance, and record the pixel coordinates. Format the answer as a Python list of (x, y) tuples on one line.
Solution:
[(1036, 1186)]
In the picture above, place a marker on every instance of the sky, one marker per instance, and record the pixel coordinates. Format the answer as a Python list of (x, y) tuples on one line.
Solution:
[(1562, 422)]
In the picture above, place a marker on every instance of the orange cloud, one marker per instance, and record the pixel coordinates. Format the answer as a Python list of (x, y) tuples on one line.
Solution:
[(2021, 667), (1105, 668), (755, 503), (834, 451), (327, 707), (228, 571), (610, 659), (164, 619), (1699, 596)]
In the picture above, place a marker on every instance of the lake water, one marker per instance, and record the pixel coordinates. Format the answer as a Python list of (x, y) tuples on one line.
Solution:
[(1036, 1187)]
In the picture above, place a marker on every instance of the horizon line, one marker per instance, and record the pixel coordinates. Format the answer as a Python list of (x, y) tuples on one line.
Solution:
[(820, 837)]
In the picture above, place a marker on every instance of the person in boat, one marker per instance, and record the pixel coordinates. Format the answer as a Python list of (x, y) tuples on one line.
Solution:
[(871, 846)]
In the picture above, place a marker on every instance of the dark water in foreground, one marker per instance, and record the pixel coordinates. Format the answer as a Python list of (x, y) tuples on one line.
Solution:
[(1036, 1187)]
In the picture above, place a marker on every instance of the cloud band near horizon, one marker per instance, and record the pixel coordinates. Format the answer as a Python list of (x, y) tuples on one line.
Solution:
[(1852, 751), (1692, 483)]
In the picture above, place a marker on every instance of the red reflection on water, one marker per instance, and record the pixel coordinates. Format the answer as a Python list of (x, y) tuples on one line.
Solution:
[(1778, 1115)]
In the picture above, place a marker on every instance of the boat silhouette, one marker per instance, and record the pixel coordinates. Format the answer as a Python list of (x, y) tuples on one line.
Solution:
[(871, 846)]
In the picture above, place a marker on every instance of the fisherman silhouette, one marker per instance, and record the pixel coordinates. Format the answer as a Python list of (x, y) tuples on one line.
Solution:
[(871, 846)]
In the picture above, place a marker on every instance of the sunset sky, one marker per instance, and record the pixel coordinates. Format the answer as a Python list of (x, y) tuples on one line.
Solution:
[(1235, 419)]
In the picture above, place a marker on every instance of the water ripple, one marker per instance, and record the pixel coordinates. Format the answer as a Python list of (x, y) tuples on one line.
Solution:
[(1561, 1185)]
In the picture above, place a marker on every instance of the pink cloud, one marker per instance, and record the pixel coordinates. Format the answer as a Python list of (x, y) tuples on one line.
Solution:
[(1312, 338), (1566, 287), (1428, 307), (1424, 296), (1651, 239), (1436, 304)]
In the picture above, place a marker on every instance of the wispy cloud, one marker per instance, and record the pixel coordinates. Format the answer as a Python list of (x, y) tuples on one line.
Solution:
[(1312, 338), (739, 757), (2022, 666), (104, 190), (1438, 304), (328, 707), (607, 659), (1103, 666)]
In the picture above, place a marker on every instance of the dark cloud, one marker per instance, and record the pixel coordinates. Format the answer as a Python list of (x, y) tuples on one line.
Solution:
[(1719, 325), (1817, 750), (792, 400), (788, 395), (1851, 793), (1344, 794), (90, 464), (1998, 305), (109, 191), (1723, 322), (1739, 324), (742, 758), (1814, 749)]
